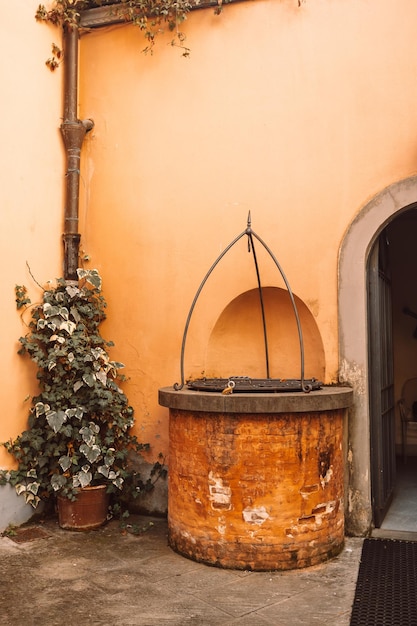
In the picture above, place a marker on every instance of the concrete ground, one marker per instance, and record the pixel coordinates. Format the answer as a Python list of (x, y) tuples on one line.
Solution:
[(54, 577)]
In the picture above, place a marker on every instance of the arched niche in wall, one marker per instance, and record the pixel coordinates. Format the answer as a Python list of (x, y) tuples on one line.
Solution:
[(236, 344)]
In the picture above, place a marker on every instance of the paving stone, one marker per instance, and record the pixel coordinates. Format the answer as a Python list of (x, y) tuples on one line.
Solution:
[(104, 577), (244, 596)]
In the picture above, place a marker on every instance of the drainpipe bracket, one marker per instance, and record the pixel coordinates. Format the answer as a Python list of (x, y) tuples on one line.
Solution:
[(88, 124)]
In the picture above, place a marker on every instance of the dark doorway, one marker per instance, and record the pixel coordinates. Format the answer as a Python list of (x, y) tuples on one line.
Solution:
[(392, 332), (381, 378)]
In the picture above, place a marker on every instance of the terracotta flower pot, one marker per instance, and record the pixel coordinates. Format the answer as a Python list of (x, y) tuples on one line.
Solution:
[(87, 512)]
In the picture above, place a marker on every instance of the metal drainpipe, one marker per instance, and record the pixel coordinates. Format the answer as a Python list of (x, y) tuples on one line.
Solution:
[(73, 132)]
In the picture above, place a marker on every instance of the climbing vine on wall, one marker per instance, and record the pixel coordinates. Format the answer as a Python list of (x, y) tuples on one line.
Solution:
[(152, 17)]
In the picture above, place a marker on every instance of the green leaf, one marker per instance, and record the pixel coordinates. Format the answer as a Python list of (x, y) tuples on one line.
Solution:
[(77, 412), (109, 457), (91, 453), (98, 353), (41, 408), (118, 482), (58, 482), (75, 315), (91, 276), (21, 296), (68, 326), (49, 310), (33, 488), (32, 499), (55, 419), (89, 379), (57, 338), (65, 462), (82, 478), (77, 385), (102, 469), (72, 292), (89, 433), (63, 312), (102, 377)]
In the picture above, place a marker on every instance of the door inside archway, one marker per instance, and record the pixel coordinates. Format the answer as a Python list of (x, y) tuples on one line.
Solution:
[(392, 337), (381, 378)]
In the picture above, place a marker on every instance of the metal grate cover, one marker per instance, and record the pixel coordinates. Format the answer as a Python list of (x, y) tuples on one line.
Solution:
[(245, 384), (386, 589)]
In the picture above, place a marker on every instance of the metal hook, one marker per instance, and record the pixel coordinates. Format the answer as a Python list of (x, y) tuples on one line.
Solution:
[(229, 387)]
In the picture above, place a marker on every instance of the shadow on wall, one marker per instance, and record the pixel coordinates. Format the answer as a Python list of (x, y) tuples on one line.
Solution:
[(236, 345)]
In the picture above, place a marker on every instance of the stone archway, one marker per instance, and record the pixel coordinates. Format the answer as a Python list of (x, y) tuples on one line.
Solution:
[(353, 341)]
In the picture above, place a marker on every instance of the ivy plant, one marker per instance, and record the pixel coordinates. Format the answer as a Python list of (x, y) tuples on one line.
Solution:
[(79, 426)]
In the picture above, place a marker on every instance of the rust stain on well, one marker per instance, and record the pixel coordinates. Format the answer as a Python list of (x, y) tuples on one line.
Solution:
[(256, 491)]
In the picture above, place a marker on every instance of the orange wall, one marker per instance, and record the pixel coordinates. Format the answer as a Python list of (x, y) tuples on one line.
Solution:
[(298, 114), (31, 192)]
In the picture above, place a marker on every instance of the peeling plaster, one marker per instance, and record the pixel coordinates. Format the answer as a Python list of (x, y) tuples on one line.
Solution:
[(257, 515), (220, 494), (188, 536), (314, 520), (354, 498), (326, 478), (353, 374), (221, 525), (321, 510)]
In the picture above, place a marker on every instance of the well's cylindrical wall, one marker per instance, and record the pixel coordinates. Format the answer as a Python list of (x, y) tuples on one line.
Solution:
[(256, 491)]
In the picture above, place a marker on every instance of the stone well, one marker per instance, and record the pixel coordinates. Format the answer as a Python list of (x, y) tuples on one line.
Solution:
[(256, 480)]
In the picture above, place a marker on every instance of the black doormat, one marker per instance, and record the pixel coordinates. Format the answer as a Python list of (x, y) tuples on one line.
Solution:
[(386, 588)]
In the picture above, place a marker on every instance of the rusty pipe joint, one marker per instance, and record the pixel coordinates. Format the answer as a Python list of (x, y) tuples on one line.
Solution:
[(74, 132)]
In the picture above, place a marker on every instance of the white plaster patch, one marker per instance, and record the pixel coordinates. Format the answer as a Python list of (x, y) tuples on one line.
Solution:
[(221, 525), (328, 507), (188, 536), (326, 478), (257, 515), (220, 495), (353, 374)]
